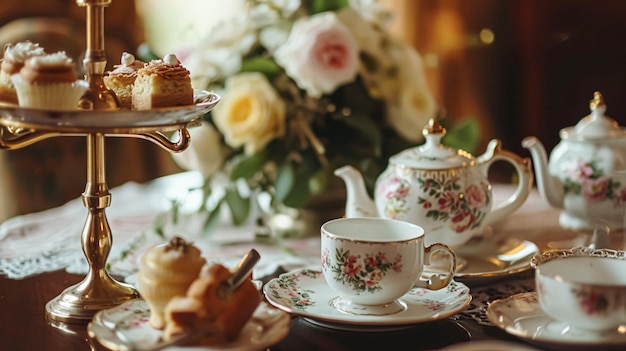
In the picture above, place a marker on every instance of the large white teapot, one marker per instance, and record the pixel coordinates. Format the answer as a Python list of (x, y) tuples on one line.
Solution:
[(586, 173), (444, 190)]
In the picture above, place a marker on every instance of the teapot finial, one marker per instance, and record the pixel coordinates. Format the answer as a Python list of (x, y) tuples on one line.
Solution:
[(597, 101), (433, 127)]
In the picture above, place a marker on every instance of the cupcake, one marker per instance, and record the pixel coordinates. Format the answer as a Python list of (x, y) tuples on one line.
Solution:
[(14, 57), (49, 82), (122, 78), (166, 271)]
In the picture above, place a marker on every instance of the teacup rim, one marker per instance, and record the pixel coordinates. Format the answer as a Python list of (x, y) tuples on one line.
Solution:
[(580, 251), (381, 240)]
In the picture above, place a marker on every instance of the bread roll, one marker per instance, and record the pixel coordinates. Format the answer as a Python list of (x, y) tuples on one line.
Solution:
[(222, 316)]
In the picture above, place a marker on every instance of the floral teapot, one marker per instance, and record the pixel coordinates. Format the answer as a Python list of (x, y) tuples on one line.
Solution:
[(586, 174), (444, 190)]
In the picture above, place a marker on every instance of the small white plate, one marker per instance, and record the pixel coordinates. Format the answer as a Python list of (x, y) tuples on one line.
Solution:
[(521, 315), (128, 323), (490, 258), (304, 292)]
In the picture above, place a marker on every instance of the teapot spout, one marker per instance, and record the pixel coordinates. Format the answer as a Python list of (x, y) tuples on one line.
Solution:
[(549, 187), (358, 202)]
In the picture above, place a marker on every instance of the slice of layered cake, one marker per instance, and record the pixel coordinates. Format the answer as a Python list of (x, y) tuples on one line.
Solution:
[(162, 83), (122, 78)]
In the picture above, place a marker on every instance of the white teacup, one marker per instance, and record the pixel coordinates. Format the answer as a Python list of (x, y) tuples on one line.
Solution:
[(372, 262), (582, 287)]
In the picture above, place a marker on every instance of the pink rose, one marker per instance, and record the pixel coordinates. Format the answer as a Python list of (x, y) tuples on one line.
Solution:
[(320, 54), (595, 189), (447, 200), (475, 196), (462, 221), (583, 170)]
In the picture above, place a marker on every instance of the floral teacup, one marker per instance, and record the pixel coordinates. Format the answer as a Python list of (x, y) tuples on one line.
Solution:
[(372, 262), (582, 287)]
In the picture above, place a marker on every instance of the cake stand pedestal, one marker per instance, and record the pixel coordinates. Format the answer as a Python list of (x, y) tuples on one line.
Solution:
[(20, 127), (97, 117)]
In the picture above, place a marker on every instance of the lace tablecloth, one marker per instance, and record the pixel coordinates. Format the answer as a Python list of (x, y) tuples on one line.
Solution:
[(50, 240)]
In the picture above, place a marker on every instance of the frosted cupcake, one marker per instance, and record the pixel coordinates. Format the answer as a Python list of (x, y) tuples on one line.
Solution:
[(49, 82), (14, 57)]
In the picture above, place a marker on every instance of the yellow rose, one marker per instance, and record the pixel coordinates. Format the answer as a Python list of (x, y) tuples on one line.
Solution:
[(251, 113)]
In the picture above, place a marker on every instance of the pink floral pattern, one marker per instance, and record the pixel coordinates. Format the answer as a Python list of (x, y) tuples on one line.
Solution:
[(139, 316), (589, 180), (592, 302), (447, 201), (362, 273), (300, 299), (396, 191)]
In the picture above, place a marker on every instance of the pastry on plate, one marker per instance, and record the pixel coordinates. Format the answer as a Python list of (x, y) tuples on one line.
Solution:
[(218, 315), (122, 78), (166, 271), (49, 81), (14, 57), (162, 83)]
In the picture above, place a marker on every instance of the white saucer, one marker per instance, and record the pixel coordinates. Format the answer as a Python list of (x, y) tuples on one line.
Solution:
[(304, 292), (490, 257), (521, 315), (117, 327)]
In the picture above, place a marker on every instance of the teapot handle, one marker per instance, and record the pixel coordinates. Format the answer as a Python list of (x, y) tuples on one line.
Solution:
[(525, 179)]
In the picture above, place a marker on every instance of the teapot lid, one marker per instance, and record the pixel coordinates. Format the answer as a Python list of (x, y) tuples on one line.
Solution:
[(596, 125), (432, 154)]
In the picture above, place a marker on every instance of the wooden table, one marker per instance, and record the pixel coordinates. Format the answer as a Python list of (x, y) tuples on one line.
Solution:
[(23, 323), (24, 326)]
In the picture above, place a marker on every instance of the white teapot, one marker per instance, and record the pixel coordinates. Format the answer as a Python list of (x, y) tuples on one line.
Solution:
[(446, 191), (586, 174)]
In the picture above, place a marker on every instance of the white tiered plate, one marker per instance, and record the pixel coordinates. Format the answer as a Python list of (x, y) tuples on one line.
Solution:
[(305, 292), (521, 315), (121, 327), (204, 101)]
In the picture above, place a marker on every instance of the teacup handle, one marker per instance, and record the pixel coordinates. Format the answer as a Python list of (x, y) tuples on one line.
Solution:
[(435, 281)]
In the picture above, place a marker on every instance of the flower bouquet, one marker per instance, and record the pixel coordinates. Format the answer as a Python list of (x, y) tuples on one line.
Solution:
[(306, 87)]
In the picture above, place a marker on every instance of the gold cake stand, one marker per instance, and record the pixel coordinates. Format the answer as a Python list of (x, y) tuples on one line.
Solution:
[(97, 118)]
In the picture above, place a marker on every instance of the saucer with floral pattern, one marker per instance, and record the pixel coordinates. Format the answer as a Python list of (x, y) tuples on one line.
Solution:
[(304, 292), (521, 315), (126, 327)]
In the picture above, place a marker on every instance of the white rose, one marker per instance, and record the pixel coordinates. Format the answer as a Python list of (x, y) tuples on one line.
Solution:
[(377, 62), (373, 11), (251, 113), (220, 53), (273, 36), (412, 103), (320, 54), (205, 153)]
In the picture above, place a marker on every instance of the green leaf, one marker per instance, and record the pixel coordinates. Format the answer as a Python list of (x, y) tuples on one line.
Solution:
[(266, 66), (292, 186), (464, 135), (248, 166), (317, 6), (285, 181), (239, 206), (317, 183), (213, 219), (300, 194)]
